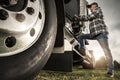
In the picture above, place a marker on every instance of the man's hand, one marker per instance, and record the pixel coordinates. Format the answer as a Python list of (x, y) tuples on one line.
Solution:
[(80, 18), (76, 18)]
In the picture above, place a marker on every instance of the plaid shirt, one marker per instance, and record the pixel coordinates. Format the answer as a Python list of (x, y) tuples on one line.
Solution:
[(96, 22)]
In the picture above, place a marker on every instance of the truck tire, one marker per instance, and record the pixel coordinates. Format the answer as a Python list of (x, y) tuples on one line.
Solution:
[(66, 1), (27, 63)]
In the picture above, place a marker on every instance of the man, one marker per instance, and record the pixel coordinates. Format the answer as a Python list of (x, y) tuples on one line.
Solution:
[(98, 31)]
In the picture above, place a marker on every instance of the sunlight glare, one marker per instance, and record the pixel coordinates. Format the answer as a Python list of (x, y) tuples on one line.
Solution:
[(97, 50)]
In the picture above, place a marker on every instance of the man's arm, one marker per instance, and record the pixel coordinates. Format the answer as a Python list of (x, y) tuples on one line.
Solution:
[(90, 17)]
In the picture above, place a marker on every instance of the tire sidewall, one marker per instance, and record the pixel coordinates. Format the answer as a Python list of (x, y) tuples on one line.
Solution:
[(30, 61)]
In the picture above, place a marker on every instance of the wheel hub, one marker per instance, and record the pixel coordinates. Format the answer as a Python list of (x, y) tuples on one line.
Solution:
[(21, 24)]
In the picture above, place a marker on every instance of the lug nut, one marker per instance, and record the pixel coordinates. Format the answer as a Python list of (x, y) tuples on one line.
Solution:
[(30, 10), (3, 14), (20, 17), (10, 41), (32, 0)]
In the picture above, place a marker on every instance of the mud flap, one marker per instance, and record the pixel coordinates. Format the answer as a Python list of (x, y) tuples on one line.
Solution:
[(60, 62)]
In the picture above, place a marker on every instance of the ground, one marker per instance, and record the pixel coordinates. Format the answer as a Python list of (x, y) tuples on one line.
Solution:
[(77, 74)]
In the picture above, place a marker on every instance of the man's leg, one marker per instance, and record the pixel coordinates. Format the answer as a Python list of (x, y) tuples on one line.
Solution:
[(103, 41), (82, 40), (82, 43)]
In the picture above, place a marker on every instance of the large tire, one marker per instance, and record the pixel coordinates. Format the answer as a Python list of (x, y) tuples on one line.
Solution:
[(27, 63)]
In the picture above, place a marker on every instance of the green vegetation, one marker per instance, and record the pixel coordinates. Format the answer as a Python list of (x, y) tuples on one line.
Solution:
[(77, 74)]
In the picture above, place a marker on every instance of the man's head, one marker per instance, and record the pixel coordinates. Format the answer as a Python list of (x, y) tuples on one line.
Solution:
[(92, 6)]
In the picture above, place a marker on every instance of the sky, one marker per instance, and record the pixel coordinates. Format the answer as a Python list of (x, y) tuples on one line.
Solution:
[(111, 11)]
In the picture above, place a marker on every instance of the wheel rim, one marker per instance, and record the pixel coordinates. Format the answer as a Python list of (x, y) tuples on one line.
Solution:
[(20, 29)]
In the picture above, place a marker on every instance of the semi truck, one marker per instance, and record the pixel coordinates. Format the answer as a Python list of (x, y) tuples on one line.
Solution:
[(40, 34)]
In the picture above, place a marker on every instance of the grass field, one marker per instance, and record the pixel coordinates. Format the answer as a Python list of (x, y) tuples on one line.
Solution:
[(77, 74)]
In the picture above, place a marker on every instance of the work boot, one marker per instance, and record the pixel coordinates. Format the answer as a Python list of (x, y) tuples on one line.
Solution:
[(77, 47), (82, 51), (111, 75)]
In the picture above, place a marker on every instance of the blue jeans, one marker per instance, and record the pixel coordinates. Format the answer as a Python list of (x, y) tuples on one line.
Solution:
[(103, 41)]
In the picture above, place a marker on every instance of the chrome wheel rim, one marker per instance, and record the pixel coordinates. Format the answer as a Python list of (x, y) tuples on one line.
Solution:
[(19, 30)]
